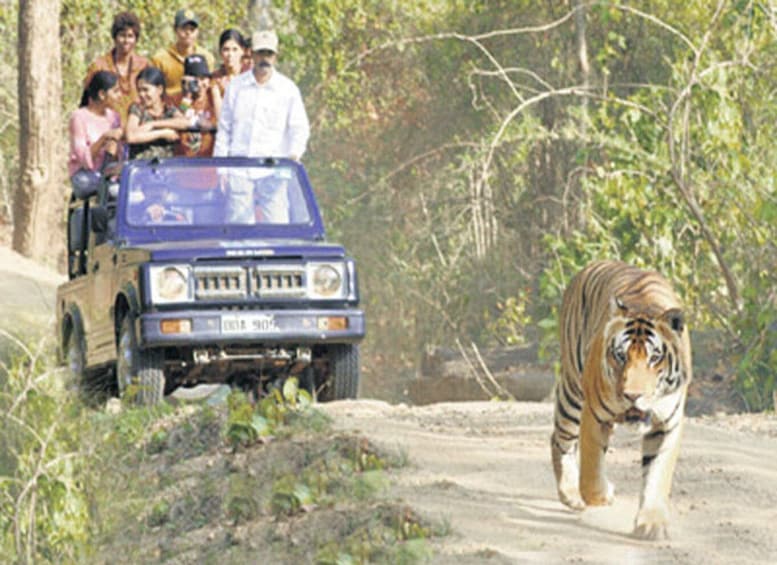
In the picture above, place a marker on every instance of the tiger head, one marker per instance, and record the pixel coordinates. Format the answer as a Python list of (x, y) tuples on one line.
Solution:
[(643, 361)]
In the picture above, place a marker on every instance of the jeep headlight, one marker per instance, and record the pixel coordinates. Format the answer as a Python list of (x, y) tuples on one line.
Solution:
[(326, 280), (170, 284)]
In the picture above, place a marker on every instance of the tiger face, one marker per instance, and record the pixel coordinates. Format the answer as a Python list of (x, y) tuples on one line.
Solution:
[(642, 364)]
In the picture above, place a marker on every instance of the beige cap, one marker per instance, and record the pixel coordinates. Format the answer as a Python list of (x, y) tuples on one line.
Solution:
[(266, 39)]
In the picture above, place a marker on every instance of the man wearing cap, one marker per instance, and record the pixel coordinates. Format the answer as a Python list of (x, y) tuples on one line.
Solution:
[(199, 101), (170, 60), (262, 115)]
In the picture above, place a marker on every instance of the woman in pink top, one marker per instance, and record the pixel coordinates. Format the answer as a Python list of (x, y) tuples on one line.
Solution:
[(95, 128)]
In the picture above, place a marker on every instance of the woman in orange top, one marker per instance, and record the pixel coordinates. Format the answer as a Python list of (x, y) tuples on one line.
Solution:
[(122, 60)]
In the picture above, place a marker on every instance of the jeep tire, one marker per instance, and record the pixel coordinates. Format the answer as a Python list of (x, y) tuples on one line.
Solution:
[(75, 357), (143, 368), (307, 381), (343, 373)]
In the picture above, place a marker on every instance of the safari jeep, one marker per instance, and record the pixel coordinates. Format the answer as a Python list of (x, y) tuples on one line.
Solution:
[(189, 271)]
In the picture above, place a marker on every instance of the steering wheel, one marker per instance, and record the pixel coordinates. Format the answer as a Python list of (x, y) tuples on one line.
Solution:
[(168, 216)]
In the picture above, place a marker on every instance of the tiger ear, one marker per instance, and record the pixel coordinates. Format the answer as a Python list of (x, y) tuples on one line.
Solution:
[(675, 318), (617, 306)]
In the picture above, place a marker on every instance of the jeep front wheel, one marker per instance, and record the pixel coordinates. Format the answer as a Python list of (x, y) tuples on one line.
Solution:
[(75, 356), (343, 373), (139, 372)]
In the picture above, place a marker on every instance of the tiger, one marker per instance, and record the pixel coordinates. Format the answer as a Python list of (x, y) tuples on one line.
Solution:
[(625, 359)]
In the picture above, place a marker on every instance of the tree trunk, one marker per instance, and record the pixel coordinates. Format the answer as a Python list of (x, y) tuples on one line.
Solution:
[(585, 81), (40, 193), (259, 17)]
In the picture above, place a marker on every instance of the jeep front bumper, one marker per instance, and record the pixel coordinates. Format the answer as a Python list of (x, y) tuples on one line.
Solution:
[(224, 327)]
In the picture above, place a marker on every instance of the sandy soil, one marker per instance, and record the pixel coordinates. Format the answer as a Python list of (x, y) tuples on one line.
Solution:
[(27, 292), (484, 468)]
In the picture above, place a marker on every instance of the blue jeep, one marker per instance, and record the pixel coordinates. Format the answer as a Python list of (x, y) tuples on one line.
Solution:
[(186, 271)]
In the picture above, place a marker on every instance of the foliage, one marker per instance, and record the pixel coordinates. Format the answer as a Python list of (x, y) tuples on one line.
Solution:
[(509, 327), (465, 158), (351, 466), (43, 508), (85, 485), (757, 329), (366, 544), (279, 406), (9, 108), (246, 423), (649, 203)]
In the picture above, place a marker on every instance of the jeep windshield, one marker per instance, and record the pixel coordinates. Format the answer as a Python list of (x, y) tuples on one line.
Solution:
[(215, 193)]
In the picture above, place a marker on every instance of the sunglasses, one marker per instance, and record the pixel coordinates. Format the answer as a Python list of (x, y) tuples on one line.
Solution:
[(264, 52)]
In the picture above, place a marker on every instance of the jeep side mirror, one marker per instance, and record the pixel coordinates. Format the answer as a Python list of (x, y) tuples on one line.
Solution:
[(85, 183)]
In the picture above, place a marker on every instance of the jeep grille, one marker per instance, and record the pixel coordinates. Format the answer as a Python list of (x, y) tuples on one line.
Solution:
[(225, 282), (278, 282), (219, 282)]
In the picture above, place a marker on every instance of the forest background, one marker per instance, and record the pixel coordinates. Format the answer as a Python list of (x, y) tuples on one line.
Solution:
[(474, 154)]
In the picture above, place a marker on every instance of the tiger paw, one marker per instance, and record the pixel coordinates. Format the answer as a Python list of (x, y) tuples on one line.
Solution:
[(651, 523), (571, 497), (599, 495)]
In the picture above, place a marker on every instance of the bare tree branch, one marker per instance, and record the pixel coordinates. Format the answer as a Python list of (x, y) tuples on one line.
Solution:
[(679, 159), (501, 391)]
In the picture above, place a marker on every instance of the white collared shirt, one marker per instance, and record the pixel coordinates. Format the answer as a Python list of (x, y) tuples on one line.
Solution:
[(262, 120)]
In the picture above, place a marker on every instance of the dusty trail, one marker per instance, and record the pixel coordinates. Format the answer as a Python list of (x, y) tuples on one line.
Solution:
[(485, 469)]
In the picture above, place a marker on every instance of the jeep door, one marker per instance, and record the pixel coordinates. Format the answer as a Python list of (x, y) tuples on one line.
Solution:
[(102, 286)]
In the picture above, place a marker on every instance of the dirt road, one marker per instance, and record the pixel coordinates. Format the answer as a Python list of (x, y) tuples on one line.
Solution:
[(484, 468)]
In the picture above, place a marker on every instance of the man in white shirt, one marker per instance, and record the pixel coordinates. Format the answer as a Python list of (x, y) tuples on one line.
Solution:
[(262, 115)]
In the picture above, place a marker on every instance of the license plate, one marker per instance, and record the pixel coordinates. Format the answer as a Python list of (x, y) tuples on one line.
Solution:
[(239, 323)]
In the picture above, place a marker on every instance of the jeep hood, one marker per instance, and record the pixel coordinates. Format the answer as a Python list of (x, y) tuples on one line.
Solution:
[(220, 249)]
